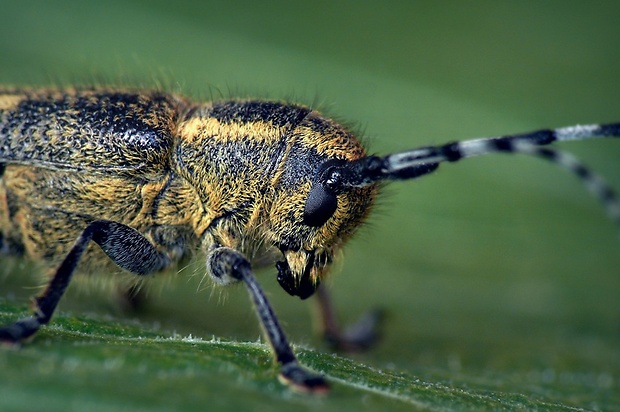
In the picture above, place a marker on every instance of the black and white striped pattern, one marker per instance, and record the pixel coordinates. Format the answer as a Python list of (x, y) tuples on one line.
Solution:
[(397, 164)]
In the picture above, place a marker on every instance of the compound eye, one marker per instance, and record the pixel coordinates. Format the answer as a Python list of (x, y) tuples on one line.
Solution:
[(320, 206)]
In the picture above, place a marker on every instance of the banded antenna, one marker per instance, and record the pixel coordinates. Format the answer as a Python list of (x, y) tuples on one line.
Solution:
[(337, 176)]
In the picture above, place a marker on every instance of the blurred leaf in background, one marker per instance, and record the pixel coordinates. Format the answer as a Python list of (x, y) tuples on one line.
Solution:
[(500, 274)]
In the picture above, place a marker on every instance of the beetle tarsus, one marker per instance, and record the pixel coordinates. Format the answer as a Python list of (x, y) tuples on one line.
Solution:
[(359, 336), (356, 337), (302, 380), (17, 332)]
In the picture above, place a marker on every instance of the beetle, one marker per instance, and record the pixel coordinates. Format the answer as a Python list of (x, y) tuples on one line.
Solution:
[(96, 179)]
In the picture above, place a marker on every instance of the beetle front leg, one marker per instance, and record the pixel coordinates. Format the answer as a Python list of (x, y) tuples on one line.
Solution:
[(356, 337), (124, 246), (227, 266)]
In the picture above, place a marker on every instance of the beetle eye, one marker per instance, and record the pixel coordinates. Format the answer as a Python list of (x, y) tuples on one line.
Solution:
[(320, 206)]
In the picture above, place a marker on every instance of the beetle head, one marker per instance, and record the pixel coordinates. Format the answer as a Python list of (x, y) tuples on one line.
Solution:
[(311, 216), (268, 174)]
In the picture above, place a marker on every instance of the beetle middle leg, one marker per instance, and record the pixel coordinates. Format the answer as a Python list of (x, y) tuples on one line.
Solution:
[(227, 266), (125, 246)]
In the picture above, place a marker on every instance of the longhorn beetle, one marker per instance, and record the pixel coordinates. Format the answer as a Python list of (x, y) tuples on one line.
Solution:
[(152, 177)]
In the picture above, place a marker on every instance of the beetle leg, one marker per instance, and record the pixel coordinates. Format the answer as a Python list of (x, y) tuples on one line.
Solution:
[(124, 246), (227, 265), (132, 298), (356, 337)]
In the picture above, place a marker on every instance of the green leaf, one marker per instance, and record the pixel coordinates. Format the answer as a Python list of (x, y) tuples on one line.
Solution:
[(105, 364)]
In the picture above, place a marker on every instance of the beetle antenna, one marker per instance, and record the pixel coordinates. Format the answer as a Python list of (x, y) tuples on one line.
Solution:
[(418, 162)]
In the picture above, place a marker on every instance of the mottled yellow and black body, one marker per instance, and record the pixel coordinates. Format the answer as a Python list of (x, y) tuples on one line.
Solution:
[(185, 175), (96, 180), (152, 177)]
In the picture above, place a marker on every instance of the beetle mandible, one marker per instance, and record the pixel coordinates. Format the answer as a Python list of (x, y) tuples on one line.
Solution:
[(151, 177)]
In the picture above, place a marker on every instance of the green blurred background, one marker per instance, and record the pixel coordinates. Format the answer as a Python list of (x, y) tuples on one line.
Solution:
[(499, 273)]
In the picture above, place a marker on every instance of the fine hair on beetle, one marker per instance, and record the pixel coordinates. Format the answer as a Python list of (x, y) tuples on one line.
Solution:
[(94, 180)]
